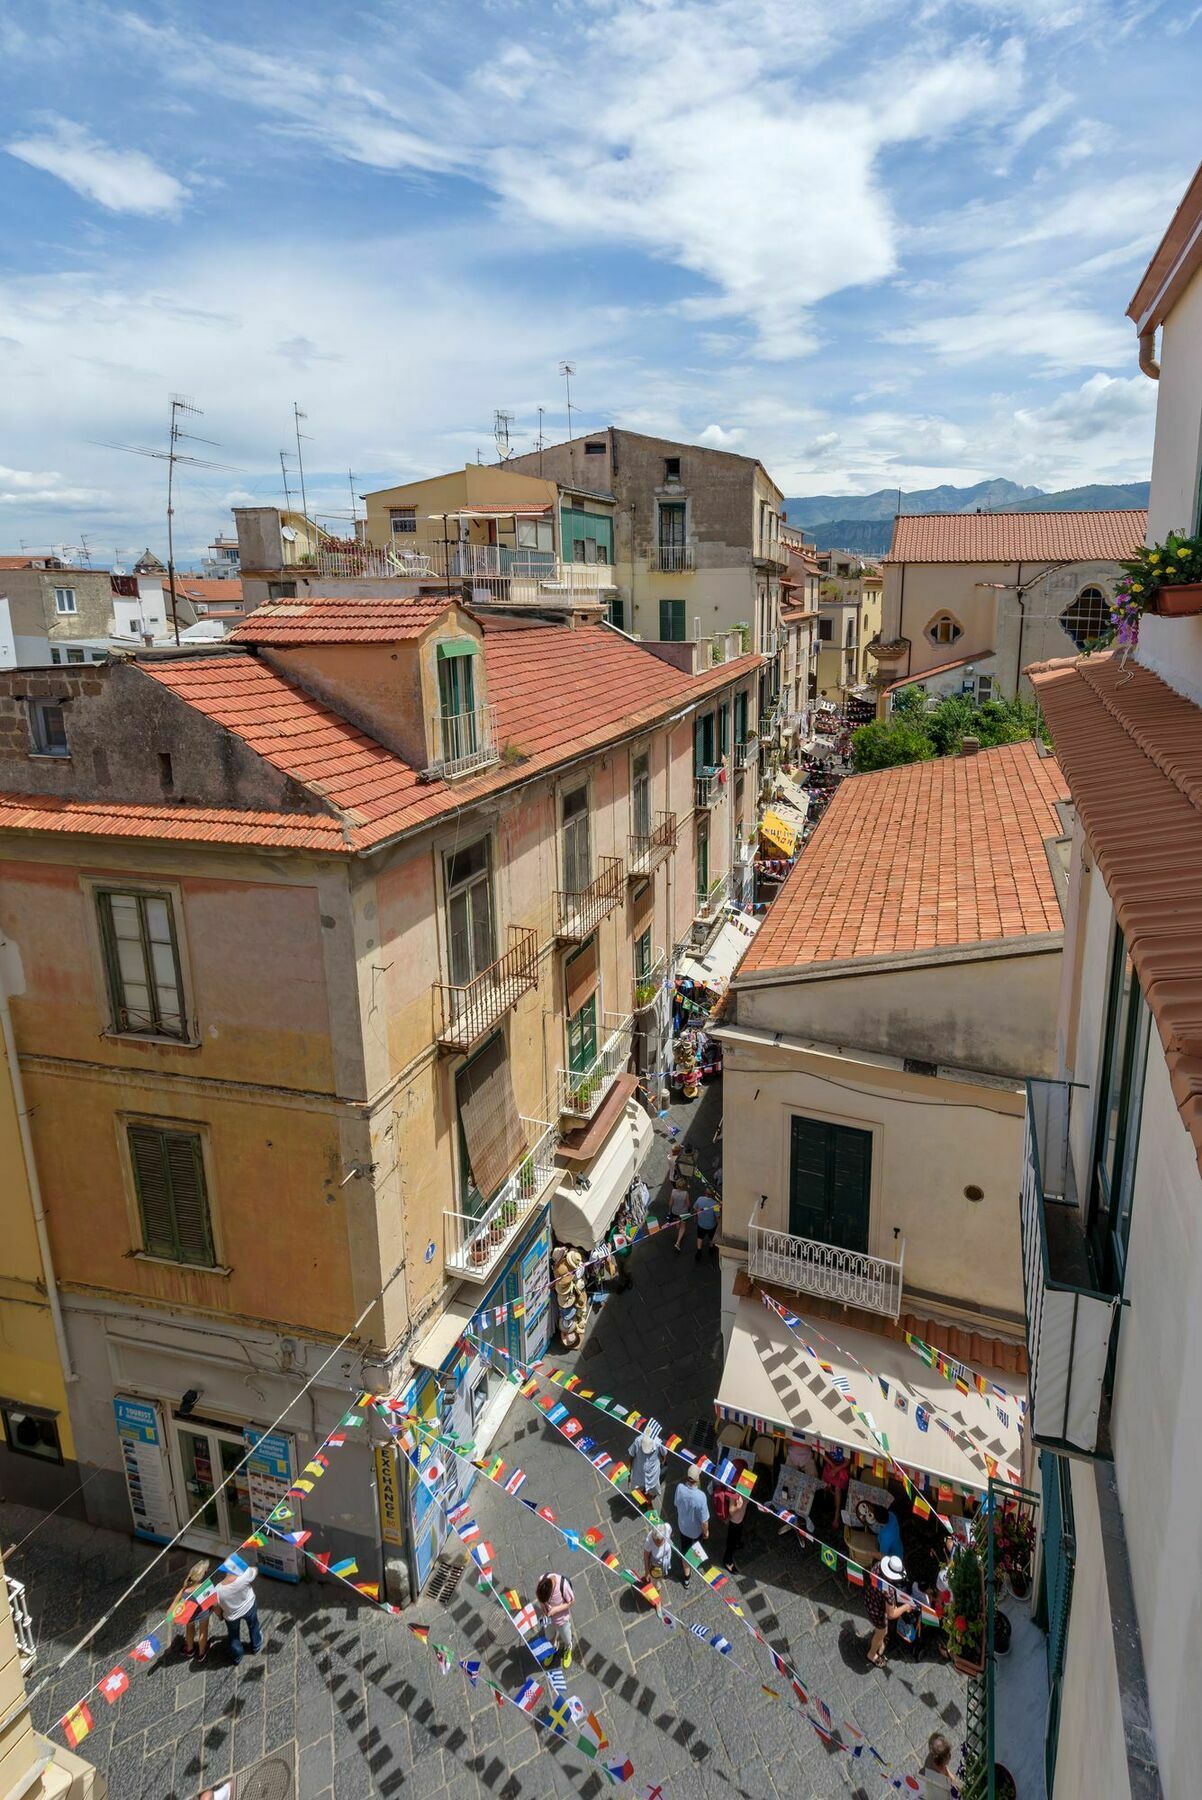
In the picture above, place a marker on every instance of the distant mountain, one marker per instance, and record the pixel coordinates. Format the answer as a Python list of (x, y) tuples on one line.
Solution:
[(864, 522)]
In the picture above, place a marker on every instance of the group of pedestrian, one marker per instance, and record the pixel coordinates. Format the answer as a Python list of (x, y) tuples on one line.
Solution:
[(236, 1604), (682, 1207)]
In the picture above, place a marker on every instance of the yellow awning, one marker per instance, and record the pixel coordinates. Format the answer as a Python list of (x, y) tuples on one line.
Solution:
[(779, 833)]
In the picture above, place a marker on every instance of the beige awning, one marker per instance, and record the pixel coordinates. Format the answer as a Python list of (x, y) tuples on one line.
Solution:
[(768, 1375), (716, 967), (582, 1216)]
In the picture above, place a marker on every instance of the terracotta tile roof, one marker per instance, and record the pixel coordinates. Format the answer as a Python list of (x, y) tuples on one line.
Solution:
[(938, 669), (918, 858), (1175, 262), (189, 824), (19, 562), (1131, 749), (1017, 537), (321, 619), (790, 615), (207, 587)]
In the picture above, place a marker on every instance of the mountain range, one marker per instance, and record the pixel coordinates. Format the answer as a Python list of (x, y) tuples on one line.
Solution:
[(864, 522)]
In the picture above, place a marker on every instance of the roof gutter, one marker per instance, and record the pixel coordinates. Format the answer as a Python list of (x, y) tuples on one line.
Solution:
[(1147, 354)]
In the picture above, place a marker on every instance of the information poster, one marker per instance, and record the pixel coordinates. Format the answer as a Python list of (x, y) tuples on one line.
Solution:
[(536, 1292), (269, 1476), (140, 1434)]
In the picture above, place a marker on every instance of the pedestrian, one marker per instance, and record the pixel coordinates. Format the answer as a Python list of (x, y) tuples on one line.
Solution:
[(706, 1214), (679, 1208), (735, 1513), (885, 1603), (692, 1515), (193, 1640), (555, 1601), (936, 1771), (236, 1598), (647, 1467), (657, 1550)]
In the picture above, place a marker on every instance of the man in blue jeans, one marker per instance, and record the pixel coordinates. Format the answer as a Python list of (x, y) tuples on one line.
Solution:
[(236, 1598)]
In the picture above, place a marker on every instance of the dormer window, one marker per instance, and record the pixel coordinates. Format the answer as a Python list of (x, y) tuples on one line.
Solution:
[(944, 629)]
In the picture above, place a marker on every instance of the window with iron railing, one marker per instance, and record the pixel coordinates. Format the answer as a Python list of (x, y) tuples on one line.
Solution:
[(471, 934), (577, 846)]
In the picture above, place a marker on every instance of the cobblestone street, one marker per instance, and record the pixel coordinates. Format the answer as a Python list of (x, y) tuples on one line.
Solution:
[(361, 1706)]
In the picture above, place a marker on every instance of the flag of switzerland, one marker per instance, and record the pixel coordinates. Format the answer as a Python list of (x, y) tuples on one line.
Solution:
[(114, 1685)]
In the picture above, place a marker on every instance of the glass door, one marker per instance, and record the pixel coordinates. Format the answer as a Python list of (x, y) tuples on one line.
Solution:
[(206, 1457)]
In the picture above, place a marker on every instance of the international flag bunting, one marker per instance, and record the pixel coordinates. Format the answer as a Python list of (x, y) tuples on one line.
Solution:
[(572, 1383), (528, 1695), (824, 1713), (516, 1481), (187, 1609), (771, 1692), (541, 1649), (560, 1716), (572, 1428), (468, 1532), (726, 1472), (558, 1413), (147, 1649), (482, 1555), (922, 1508), (620, 1771), (673, 1442), (76, 1724), (801, 1693), (335, 1441), (593, 1538), (544, 1512), (420, 1631), (592, 1734), (370, 1588), (351, 1421), (558, 1680), (721, 1644), (528, 1388), (855, 1574), (470, 1668), (746, 1482), (618, 1473), (601, 1461), (611, 1561), (322, 1559), (299, 1538), (830, 1559), (114, 1685), (345, 1569), (459, 1513), (586, 1446)]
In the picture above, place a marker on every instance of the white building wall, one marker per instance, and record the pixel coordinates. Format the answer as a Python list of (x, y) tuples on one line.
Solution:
[(1173, 647)]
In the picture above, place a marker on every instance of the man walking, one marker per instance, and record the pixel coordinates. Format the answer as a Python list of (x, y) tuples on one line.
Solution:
[(692, 1516), (706, 1214), (647, 1467), (236, 1598)]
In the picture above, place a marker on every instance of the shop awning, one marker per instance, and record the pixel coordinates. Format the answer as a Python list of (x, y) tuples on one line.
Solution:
[(582, 1216), (460, 646), (769, 1376), (715, 968), (434, 1348), (779, 832)]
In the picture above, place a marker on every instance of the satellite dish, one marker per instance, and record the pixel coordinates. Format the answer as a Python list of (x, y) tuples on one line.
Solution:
[(117, 569), (288, 534)]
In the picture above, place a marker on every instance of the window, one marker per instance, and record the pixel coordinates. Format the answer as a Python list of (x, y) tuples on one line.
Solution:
[(31, 1434), (640, 795), (1120, 1097), (141, 954), (723, 730), (64, 600), (76, 656), (850, 634), (471, 938), (704, 744), (617, 613), (943, 629), (56, 655), (166, 773), (671, 525), (741, 717), (457, 697), (577, 851), (643, 956), (826, 631), (48, 728), (403, 520), (830, 1170), (173, 1201), (1088, 617), (671, 468), (580, 989), (984, 688), (594, 449), (535, 534), (491, 1140), (671, 621)]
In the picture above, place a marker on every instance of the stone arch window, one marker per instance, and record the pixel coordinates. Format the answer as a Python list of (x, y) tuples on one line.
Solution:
[(1088, 617), (944, 628)]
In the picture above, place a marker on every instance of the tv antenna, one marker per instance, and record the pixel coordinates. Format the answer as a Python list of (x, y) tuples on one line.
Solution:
[(540, 440), (181, 407), (567, 370), (350, 476), (284, 473), (297, 416), (501, 421)]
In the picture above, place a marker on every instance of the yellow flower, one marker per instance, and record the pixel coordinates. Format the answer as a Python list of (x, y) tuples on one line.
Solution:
[(1183, 551), (1137, 587), (1155, 556)]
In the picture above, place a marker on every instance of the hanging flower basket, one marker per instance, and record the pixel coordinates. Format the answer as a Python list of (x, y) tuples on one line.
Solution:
[(1164, 579)]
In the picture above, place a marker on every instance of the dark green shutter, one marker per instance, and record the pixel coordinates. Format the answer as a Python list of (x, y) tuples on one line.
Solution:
[(723, 730), (807, 1180), (830, 1171), (698, 745), (169, 1175), (850, 1173)]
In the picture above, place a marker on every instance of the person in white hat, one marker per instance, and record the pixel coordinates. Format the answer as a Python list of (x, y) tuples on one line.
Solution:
[(657, 1550), (647, 1467), (885, 1602)]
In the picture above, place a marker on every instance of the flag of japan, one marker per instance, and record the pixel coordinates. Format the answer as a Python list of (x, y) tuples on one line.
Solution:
[(114, 1685)]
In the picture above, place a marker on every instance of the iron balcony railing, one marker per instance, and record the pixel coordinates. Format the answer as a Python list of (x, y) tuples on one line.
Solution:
[(649, 848), (873, 1283), (648, 985), (579, 911), (714, 898), (474, 1244), (673, 559), (581, 1091), (463, 742), (746, 751), (471, 1008), (707, 785), (22, 1620), (497, 574), (1070, 1319)]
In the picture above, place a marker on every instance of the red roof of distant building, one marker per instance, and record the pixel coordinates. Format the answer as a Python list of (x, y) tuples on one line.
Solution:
[(208, 587), (1018, 537), (945, 668), (316, 619), (188, 824)]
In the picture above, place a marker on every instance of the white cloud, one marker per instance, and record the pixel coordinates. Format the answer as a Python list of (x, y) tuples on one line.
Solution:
[(1103, 406), (124, 181), (24, 488), (718, 438), (1035, 325)]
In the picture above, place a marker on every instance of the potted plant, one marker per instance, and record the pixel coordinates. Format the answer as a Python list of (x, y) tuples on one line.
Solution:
[(964, 1616), (1001, 1634), (1004, 1785), (1165, 579), (1013, 1549), (478, 1251), (644, 993)]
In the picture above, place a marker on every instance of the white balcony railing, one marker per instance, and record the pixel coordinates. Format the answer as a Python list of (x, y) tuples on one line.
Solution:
[(746, 751), (18, 1606), (463, 742), (475, 1243), (648, 985), (495, 574), (706, 788), (714, 899), (768, 648), (581, 1091), (673, 559), (805, 1266)]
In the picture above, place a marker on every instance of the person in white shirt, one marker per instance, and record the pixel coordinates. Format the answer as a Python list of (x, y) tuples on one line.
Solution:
[(236, 1598), (657, 1550)]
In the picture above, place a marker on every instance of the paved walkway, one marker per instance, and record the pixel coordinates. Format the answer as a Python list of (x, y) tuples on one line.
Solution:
[(361, 1707)]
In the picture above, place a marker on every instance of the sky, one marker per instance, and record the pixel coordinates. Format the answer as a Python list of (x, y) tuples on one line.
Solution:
[(873, 244)]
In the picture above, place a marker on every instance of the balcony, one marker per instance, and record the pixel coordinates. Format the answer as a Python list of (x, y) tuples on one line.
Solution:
[(471, 1010), (580, 910), (769, 645), (495, 574), (581, 1091), (673, 559), (1069, 1319), (649, 848), (806, 1267), (648, 986), (474, 1244), (462, 742), (746, 751), (714, 900), (707, 786), (18, 1606)]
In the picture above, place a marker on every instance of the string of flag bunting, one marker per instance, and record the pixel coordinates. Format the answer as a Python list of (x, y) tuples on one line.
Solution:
[(964, 1379)]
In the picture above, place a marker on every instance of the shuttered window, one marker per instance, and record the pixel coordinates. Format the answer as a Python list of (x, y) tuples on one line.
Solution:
[(492, 1139), (141, 957), (671, 621), (173, 1201), (830, 1172)]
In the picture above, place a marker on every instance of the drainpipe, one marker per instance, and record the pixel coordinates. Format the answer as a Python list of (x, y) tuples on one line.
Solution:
[(31, 1175), (1022, 620), (1147, 353)]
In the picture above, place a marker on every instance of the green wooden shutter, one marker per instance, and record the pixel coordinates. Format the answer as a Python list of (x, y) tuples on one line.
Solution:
[(723, 729), (807, 1179), (698, 745), (850, 1175), (665, 621), (830, 1170), (169, 1176), (154, 1190)]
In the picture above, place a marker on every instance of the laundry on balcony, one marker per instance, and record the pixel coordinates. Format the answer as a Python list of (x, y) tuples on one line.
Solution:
[(769, 1376)]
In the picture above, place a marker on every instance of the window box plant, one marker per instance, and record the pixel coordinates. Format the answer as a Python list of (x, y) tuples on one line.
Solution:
[(964, 1616), (1165, 579), (644, 993), (1013, 1549)]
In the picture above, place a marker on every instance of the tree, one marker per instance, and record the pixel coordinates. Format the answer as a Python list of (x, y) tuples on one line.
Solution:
[(917, 732), (885, 744)]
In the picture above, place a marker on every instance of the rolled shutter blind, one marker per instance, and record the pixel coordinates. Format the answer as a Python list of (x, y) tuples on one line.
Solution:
[(642, 909), (492, 1129), (580, 976), (154, 1190)]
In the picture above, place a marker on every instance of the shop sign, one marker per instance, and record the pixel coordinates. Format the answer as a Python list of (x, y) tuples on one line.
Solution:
[(269, 1476), (779, 833), (140, 1434), (388, 1495)]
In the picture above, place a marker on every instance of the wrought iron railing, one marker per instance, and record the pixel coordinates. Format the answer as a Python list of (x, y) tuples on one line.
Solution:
[(463, 741), (649, 848), (649, 983), (706, 787), (715, 896), (18, 1606), (473, 1244), (873, 1283), (673, 559), (746, 751), (579, 911), (581, 1091), (471, 1008)]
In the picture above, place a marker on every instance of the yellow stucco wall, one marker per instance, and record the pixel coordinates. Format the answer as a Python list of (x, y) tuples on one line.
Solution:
[(476, 484)]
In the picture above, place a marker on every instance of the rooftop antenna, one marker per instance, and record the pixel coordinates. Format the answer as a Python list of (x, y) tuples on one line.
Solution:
[(540, 440), (284, 473), (501, 421), (84, 551), (181, 406), (297, 416), (567, 370), (350, 475)]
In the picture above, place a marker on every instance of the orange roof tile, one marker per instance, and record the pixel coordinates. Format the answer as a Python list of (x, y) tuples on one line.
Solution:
[(208, 587), (922, 857), (190, 824), (322, 619), (1131, 749), (938, 669), (1017, 537)]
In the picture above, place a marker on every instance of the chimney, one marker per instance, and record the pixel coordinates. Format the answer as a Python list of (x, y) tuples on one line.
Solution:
[(969, 746)]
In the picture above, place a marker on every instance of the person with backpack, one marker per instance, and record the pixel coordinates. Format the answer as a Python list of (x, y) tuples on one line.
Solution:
[(731, 1506), (555, 1601)]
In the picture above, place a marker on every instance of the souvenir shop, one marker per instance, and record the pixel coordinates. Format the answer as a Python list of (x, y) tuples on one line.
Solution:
[(700, 982)]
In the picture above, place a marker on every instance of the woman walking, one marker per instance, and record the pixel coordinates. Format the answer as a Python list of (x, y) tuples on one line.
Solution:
[(194, 1639)]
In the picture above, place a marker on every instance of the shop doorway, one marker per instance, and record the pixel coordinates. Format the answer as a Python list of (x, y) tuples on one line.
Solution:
[(204, 1456)]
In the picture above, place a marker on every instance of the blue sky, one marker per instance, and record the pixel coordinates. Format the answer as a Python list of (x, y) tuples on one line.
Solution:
[(870, 243)]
